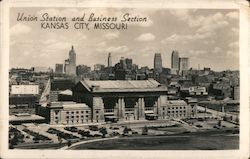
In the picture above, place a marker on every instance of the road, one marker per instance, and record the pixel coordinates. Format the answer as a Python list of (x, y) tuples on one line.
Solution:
[(217, 113), (207, 140)]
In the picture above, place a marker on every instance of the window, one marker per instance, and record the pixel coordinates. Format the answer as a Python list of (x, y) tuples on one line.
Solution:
[(72, 112), (82, 112), (72, 116), (97, 112), (56, 117), (87, 116), (67, 112), (67, 117), (77, 116), (77, 112), (81, 116), (163, 108), (87, 111)]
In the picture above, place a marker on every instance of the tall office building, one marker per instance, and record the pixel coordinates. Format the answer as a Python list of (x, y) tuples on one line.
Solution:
[(175, 60), (59, 68), (157, 63), (70, 63), (129, 63), (109, 60), (183, 63), (123, 63)]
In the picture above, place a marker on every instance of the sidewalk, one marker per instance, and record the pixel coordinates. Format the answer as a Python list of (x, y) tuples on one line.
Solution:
[(89, 141)]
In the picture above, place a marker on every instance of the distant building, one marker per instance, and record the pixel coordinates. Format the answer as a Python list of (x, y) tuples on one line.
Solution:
[(129, 63), (66, 66), (59, 69), (53, 89), (19, 104), (67, 113), (42, 70), (175, 62), (197, 91), (178, 109), (109, 60), (82, 69), (183, 64), (70, 63), (99, 67), (123, 63), (24, 90), (57, 86), (236, 93), (157, 63)]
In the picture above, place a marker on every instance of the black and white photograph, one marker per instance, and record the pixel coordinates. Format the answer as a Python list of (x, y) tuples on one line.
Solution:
[(124, 78)]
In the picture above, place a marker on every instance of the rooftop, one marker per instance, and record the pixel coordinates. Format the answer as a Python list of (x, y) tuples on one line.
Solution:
[(177, 102), (69, 105), (25, 117), (123, 85)]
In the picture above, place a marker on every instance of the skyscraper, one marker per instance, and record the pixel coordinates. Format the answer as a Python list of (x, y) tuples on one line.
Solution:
[(129, 63), (59, 68), (175, 60), (157, 63), (123, 63), (70, 63), (183, 63), (109, 60)]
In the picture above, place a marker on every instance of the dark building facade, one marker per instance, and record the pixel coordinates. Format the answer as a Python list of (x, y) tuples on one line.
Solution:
[(157, 63)]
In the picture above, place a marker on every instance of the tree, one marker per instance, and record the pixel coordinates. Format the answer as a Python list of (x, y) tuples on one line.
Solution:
[(145, 130), (103, 130), (219, 123)]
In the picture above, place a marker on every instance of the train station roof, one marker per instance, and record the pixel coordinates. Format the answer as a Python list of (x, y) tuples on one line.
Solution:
[(123, 85)]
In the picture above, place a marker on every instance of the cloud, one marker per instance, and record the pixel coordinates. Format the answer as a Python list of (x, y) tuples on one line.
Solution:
[(233, 45), (100, 46), (232, 53), (49, 41), (197, 52), (235, 30), (233, 15), (118, 49), (172, 39), (112, 35), (147, 51), (182, 14), (209, 42), (145, 37), (204, 24), (176, 38), (55, 46), (217, 50), (19, 29)]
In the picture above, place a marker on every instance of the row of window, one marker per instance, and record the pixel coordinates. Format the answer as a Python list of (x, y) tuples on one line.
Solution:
[(174, 112), (174, 108), (77, 112), (76, 121), (82, 116)]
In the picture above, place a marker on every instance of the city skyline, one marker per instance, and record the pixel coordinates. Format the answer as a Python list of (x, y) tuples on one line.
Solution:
[(210, 36)]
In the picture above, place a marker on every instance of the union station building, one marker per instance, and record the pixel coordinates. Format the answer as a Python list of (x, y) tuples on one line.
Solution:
[(127, 100)]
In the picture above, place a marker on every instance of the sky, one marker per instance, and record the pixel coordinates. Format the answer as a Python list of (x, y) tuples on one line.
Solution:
[(209, 37)]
